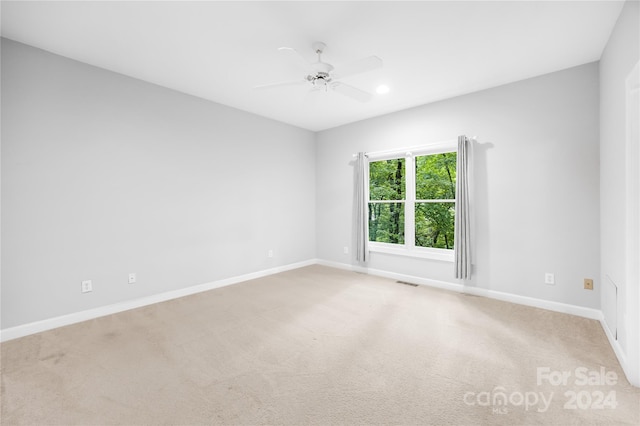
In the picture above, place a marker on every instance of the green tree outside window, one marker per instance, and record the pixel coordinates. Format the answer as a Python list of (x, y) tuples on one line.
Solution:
[(432, 200), (387, 182), (435, 200)]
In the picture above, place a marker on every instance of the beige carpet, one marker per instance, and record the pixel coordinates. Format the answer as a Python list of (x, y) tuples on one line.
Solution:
[(318, 346)]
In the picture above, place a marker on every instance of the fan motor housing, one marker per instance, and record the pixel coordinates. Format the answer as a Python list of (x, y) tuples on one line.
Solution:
[(320, 79)]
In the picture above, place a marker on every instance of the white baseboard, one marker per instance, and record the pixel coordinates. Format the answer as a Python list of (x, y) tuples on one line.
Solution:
[(613, 342), (622, 357), (492, 294), (51, 323)]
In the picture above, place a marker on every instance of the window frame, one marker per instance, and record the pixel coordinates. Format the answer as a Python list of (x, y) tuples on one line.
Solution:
[(409, 247)]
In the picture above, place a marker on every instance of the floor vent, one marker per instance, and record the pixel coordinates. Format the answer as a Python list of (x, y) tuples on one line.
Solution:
[(406, 283)]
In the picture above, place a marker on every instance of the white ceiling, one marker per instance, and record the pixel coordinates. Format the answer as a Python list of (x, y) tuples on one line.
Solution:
[(221, 50)]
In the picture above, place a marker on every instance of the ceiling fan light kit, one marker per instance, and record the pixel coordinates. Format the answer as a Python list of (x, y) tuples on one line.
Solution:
[(321, 76)]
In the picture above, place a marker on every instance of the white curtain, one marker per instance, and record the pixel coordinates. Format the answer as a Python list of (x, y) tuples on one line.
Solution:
[(462, 245), (361, 213)]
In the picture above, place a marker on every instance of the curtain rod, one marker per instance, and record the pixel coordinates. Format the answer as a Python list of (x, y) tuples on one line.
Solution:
[(389, 151)]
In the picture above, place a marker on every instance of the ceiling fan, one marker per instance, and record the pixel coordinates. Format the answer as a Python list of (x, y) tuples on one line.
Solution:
[(323, 76)]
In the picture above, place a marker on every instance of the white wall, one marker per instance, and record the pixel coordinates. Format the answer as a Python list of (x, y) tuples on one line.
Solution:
[(103, 175), (619, 58), (536, 184)]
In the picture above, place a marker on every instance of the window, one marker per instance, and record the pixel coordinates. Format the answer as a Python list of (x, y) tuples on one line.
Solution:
[(387, 198), (435, 207), (412, 199)]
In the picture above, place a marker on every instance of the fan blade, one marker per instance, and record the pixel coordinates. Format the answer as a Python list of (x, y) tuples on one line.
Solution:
[(282, 84), (299, 59), (359, 66), (352, 92)]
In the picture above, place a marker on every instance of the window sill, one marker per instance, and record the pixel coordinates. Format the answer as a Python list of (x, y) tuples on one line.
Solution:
[(419, 252)]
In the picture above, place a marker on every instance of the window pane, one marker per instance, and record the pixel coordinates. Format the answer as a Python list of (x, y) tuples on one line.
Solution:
[(436, 176), (386, 222), (387, 180), (434, 225)]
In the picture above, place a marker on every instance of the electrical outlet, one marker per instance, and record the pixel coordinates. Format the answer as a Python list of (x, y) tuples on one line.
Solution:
[(346, 250), (270, 253), (588, 284), (86, 286), (132, 278), (549, 278)]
